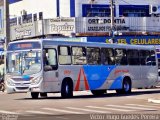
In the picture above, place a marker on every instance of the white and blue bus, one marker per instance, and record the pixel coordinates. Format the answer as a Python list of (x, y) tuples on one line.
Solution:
[(51, 66)]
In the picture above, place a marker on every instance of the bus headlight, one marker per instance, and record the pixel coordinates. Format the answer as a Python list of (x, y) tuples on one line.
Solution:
[(36, 80), (10, 83)]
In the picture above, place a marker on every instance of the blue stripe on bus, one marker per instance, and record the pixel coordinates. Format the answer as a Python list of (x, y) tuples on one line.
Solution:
[(117, 84), (97, 75)]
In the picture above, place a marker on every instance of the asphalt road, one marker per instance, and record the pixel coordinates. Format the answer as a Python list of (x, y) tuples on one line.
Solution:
[(83, 106)]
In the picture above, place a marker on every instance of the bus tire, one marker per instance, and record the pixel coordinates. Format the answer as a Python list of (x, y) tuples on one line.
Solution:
[(126, 87), (44, 95), (34, 95), (98, 92), (2, 87), (67, 89)]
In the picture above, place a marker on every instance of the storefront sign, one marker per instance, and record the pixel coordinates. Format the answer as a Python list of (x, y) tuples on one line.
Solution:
[(104, 24), (134, 40), (23, 31), (64, 26)]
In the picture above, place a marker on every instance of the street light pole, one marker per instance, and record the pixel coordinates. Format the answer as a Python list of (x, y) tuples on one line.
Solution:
[(112, 20)]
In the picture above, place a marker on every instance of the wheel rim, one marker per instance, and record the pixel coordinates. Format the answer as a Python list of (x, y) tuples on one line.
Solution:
[(126, 86), (67, 89)]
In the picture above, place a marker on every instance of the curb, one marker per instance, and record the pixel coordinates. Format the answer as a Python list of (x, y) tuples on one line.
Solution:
[(154, 100)]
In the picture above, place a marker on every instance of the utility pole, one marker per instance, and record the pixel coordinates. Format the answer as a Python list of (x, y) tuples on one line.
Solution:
[(112, 20), (6, 30), (6, 23)]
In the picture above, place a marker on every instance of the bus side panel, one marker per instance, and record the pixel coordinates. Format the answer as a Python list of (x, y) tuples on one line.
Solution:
[(118, 75), (92, 77), (73, 72), (87, 77), (50, 82), (147, 77), (100, 76)]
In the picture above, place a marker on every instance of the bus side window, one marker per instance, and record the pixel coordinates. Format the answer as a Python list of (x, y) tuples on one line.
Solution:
[(144, 57), (78, 55), (153, 59), (50, 59), (133, 57), (93, 56), (64, 55), (45, 59), (121, 57), (107, 56)]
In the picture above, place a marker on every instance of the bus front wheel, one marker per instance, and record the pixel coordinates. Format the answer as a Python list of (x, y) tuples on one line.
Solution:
[(34, 95), (67, 89)]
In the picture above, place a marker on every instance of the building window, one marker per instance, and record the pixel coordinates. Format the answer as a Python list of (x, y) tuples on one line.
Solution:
[(13, 21), (27, 18), (35, 17), (134, 10), (89, 10), (40, 15), (19, 20)]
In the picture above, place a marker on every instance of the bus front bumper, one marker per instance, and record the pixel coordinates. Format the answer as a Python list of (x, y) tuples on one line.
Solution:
[(13, 89), (22, 89)]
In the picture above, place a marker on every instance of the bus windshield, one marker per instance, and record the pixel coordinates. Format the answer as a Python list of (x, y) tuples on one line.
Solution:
[(24, 62)]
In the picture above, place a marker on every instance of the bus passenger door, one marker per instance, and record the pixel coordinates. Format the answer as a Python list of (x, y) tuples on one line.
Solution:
[(50, 66)]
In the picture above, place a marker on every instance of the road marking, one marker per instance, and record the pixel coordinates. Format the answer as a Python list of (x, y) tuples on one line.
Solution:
[(154, 101), (116, 109), (38, 112), (64, 118), (88, 110), (8, 112), (130, 107), (64, 111), (143, 105)]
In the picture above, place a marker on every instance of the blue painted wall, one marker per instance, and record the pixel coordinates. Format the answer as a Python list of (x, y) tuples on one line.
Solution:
[(72, 8), (58, 8)]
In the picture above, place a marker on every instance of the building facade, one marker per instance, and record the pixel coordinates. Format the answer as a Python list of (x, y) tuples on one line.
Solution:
[(89, 18), (84, 8)]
